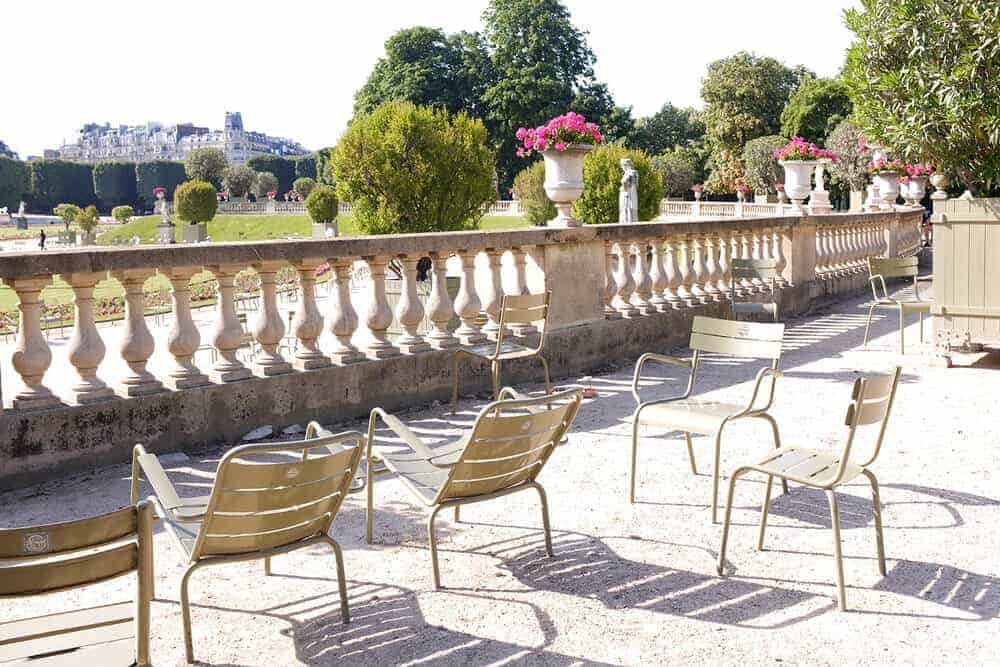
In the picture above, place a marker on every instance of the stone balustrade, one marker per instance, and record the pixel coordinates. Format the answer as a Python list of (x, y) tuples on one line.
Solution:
[(601, 277)]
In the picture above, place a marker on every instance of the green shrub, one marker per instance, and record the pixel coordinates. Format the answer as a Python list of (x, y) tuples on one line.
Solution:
[(678, 171), (761, 167), (87, 218), (67, 212), (283, 169), (115, 183), (324, 166), (406, 169), (266, 182), (305, 167), (322, 204), (158, 174), (529, 188), (14, 182), (304, 185), (56, 181), (123, 213), (195, 201), (238, 180), (206, 164), (602, 173)]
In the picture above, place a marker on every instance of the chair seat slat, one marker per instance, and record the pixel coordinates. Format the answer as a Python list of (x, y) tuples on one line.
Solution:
[(65, 631)]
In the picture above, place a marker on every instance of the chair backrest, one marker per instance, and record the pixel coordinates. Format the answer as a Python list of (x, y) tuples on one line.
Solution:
[(270, 495), (525, 309), (763, 269), (737, 339), (510, 443), (894, 267), (871, 403)]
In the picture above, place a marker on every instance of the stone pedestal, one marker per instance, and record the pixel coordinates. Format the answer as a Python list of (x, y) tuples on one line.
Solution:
[(195, 233), (577, 295)]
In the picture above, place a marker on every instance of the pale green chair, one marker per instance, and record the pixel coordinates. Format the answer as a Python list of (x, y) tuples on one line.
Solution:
[(895, 267)]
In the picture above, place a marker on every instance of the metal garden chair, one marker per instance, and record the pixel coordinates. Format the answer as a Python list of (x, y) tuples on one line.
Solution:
[(764, 271), (527, 309), (707, 417), (507, 448), (267, 499), (871, 402), (62, 556), (895, 267)]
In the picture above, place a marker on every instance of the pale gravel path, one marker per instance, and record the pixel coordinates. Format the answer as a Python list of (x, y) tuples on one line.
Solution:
[(632, 584)]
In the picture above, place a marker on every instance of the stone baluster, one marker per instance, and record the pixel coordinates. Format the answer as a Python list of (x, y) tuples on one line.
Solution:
[(32, 355), (821, 257), (467, 305), (307, 324), (671, 274), (724, 273), (758, 284), (657, 278), (711, 270), (520, 258), (778, 249), (610, 285), (184, 338), (491, 294), (269, 328), (684, 273), (625, 281), (379, 315), (853, 238), (765, 250), (697, 288), (439, 308), (227, 334), (138, 344), (643, 282), (840, 249), (409, 310), (342, 320), (746, 287), (86, 349), (829, 250)]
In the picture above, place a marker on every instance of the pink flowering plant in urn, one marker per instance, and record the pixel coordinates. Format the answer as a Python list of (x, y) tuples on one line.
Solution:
[(800, 158), (564, 143)]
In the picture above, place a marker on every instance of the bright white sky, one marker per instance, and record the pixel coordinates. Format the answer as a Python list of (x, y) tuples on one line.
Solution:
[(293, 72)]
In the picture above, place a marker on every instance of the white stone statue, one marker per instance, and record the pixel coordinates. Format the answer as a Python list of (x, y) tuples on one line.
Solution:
[(628, 194)]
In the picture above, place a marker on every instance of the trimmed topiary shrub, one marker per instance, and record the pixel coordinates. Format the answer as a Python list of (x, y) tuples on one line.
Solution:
[(602, 173), (408, 169), (266, 182), (238, 180), (122, 213), (14, 182), (115, 183), (283, 169), (68, 213), (529, 188), (305, 167), (56, 181), (322, 204), (195, 202), (158, 174), (303, 185)]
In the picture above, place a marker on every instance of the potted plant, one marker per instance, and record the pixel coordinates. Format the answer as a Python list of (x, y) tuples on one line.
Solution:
[(916, 182), (196, 204), (799, 159), (68, 213), (885, 175), (741, 192), (87, 219), (323, 206), (563, 142), (697, 189)]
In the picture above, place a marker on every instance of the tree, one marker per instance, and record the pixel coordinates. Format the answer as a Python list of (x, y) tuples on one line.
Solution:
[(322, 204), (283, 169), (924, 76), (303, 186), (670, 126), (14, 182), (815, 108), (56, 181), (593, 100), (7, 151), (67, 212), (324, 166), (123, 213), (195, 201), (115, 183), (529, 188), (726, 171), (602, 174), (408, 169), (87, 218), (206, 164), (851, 167), (305, 167), (678, 171), (761, 167), (238, 180), (158, 174), (266, 183)]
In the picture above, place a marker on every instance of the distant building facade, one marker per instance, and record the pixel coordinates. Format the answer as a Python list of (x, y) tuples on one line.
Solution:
[(155, 141)]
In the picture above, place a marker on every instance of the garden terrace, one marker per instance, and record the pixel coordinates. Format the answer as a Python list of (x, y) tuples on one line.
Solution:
[(618, 290)]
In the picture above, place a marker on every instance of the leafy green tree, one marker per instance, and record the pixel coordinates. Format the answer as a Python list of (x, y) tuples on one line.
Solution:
[(679, 170), (670, 126), (594, 102), (206, 164), (283, 169), (324, 166), (55, 181), (7, 151), (115, 183), (761, 167), (67, 212), (14, 182), (195, 201), (303, 186), (924, 77), (266, 182), (851, 167), (87, 218), (726, 171), (322, 204), (123, 213), (238, 180), (602, 174), (158, 174), (815, 108), (305, 166), (529, 188), (406, 169)]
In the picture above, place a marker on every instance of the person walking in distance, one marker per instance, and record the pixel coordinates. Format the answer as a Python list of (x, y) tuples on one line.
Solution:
[(41, 239)]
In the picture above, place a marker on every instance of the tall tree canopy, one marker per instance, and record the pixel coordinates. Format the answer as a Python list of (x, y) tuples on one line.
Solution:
[(7, 151), (670, 126), (815, 108)]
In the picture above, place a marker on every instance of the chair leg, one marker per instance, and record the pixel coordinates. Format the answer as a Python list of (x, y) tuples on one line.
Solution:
[(545, 517), (454, 383), (495, 373), (877, 506), (186, 613), (901, 336), (725, 522), (715, 477), (764, 508), (370, 499), (267, 566), (345, 611), (837, 555), (635, 452), (868, 324), (694, 468), (921, 315), (458, 515), (434, 548), (548, 379)]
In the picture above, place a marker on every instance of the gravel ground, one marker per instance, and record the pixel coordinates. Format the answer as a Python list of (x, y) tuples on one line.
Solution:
[(630, 584)]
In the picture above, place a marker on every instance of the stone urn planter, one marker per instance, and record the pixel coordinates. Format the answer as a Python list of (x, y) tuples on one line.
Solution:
[(195, 233), (888, 187), (564, 181), (940, 182), (325, 230), (798, 181), (915, 190)]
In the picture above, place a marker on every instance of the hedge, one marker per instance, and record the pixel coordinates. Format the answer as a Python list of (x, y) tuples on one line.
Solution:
[(58, 181), (115, 183), (283, 168), (158, 173), (14, 182), (305, 167)]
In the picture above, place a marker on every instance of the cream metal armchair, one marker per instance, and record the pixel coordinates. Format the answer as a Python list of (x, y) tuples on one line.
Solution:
[(267, 499), (525, 309), (706, 417), (507, 448), (871, 402), (763, 270), (62, 556), (895, 267)]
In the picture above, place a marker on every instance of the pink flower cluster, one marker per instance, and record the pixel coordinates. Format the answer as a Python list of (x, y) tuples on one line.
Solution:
[(800, 149), (558, 134), (159, 190), (742, 188), (697, 187), (881, 163), (779, 186), (919, 169)]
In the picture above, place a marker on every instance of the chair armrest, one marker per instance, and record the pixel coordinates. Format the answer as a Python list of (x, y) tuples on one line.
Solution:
[(510, 392), (157, 478), (314, 430), (659, 358), (399, 428), (763, 373)]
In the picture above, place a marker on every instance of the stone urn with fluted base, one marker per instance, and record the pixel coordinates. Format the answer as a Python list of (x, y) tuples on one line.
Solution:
[(888, 187), (915, 190), (798, 181), (564, 181)]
